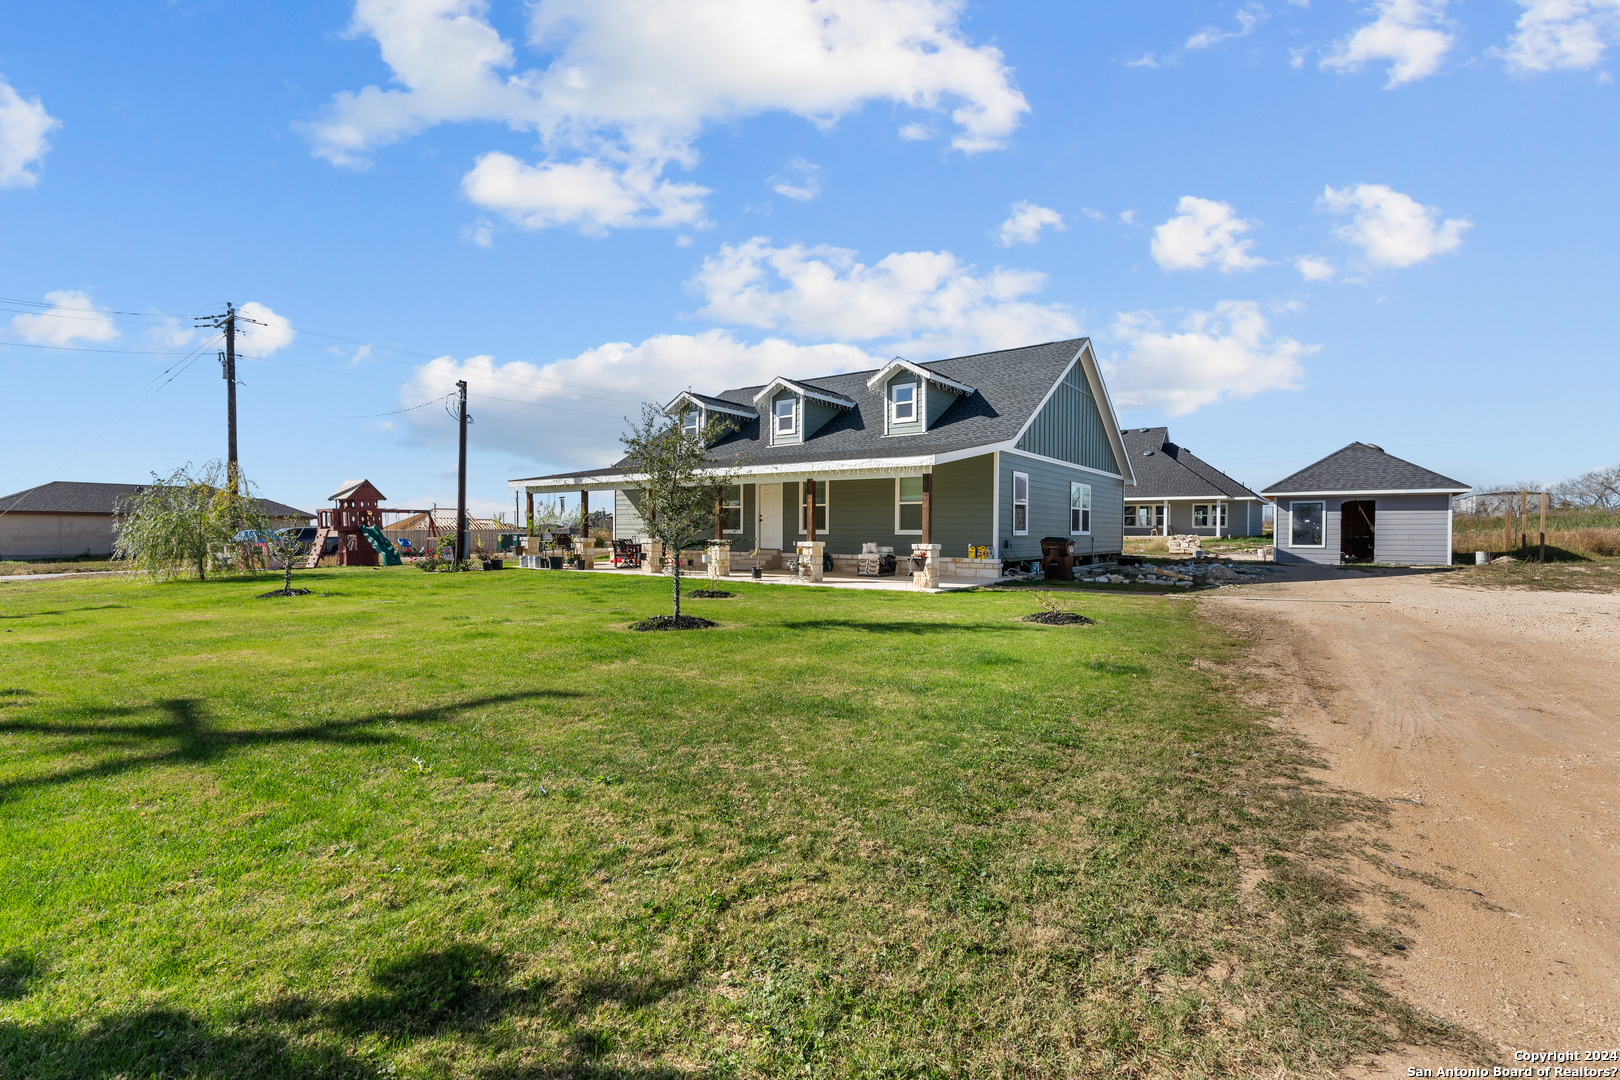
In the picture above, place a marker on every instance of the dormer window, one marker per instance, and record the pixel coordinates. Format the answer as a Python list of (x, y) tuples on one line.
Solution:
[(786, 411), (905, 403), (691, 422)]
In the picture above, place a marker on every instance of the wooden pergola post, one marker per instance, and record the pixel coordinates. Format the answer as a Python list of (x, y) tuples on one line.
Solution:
[(584, 517), (528, 523), (928, 508)]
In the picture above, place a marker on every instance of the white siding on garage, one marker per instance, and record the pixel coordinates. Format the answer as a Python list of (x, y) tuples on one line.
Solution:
[(1414, 530)]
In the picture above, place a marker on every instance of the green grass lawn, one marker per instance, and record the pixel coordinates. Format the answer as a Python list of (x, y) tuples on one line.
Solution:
[(469, 825)]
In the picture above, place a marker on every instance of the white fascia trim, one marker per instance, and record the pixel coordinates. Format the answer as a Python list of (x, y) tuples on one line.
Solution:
[(1320, 494), (803, 391), (1008, 449), (1195, 498), (921, 372), (574, 483)]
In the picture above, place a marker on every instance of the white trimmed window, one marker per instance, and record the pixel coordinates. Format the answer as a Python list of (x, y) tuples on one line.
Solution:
[(691, 422), (1201, 515), (731, 519), (1305, 521), (908, 506), (1079, 508), (1020, 494), (904, 409), (1144, 515), (821, 507), (786, 413)]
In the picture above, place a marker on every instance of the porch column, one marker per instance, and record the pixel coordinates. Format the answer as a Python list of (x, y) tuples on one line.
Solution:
[(928, 508), (585, 543), (1220, 508), (719, 533), (810, 509), (1166, 518), (528, 522)]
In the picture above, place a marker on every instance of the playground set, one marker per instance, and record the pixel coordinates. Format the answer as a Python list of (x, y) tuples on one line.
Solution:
[(357, 523)]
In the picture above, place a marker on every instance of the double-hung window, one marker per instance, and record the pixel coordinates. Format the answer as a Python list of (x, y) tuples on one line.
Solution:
[(731, 509), (690, 422), (786, 412), (904, 410), (909, 505), (1079, 508), (1305, 524), (1200, 515), (821, 507), (1020, 496)]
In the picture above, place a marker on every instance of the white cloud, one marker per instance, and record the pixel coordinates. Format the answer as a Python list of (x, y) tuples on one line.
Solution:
[(590, 194), (1226, 352), (1145, 60), (1204, 233), (171, 333), (630, 84), (24, 125), (260, 331), (1315, 268), (581, 400), (1248, 19), (1392, 229), (921, 301), (797, 180), (1127, 217), (1026, 221), (915, 132), (72, 318), (1411, 34), (480, 232), (1562, 34)]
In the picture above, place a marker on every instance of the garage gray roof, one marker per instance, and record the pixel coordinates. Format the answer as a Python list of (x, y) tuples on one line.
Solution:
[(1167, 471), (71, 497), (1009, 387), (1363, 467)]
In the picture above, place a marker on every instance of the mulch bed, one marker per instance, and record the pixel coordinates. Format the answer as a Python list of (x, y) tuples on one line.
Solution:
[(1058, 618), (672, 622), (710, 594), (283, 592)]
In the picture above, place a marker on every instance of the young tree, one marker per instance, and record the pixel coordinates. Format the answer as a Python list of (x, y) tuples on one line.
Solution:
[(681, 485), (288, 545), (180, 522)]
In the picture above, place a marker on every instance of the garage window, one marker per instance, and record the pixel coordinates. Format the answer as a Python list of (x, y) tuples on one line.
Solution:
[(1305, 528)]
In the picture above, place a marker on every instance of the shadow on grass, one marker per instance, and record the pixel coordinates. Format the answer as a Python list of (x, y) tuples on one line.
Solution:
[(878, 626), (18, 973), (461, 992), (196, 741)]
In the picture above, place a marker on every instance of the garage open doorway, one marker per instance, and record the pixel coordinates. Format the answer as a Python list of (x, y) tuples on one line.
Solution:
[(1357, 526)]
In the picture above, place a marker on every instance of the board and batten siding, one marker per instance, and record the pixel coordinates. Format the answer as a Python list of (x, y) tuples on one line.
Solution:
[(1408, 530), (1069, 427), (1049, 508)]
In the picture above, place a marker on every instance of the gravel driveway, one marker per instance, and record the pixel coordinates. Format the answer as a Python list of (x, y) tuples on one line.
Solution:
[(1491, 721)]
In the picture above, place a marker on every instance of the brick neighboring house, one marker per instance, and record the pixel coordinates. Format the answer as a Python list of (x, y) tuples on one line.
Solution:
[(66, 518)]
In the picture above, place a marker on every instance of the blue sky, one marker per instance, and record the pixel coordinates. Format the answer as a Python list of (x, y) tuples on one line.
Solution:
[(1287, 226)]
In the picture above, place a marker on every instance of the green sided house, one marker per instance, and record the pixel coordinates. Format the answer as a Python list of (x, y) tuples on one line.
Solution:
[(992, 451)]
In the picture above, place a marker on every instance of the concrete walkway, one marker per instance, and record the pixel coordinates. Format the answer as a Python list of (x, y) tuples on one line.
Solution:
[(70, 574)]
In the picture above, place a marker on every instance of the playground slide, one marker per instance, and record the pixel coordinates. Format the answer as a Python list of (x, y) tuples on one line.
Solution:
[(384, 546)]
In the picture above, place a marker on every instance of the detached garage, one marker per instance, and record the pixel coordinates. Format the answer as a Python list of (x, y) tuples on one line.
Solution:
[(1360, 504)]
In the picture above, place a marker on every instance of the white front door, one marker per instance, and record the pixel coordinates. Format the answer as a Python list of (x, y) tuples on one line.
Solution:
[(768, 498)]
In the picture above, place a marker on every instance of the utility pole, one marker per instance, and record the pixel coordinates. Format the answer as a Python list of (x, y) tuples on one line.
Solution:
[(461, 479), (227, 363)]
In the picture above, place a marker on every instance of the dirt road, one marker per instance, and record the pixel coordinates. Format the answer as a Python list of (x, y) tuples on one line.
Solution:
[(1491, 720)]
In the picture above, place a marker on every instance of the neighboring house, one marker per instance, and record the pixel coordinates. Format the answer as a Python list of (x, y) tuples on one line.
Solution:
[(1179, 493), (1360, 504), (995, 450), (423, 529), (65, 518)]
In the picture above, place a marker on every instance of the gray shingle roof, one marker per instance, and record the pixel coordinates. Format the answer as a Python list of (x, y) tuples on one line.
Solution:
[(71, 497), (1167, 471), (1365, 467), (1009, 387)]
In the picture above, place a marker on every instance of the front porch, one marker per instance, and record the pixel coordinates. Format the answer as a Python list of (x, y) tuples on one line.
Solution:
[(832, 579)]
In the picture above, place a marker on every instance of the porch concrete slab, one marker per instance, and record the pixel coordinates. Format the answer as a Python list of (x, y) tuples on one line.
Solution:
[(897, 583)]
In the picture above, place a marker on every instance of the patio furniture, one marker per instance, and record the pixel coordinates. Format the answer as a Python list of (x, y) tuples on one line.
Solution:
[(627, 553)]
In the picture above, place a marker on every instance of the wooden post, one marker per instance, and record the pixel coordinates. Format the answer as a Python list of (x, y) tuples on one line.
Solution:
[(1507, 524), (928, 508), (528, 525), (584, 519), (719, 531), (810, 509), (1524, 521), (1543, 526)]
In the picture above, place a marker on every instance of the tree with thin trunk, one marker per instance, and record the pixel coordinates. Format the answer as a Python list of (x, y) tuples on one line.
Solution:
[(186, 521), (680, 482), (289, 546)]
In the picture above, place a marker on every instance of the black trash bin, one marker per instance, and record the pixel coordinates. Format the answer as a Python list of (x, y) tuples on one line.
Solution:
[(1057, 558)]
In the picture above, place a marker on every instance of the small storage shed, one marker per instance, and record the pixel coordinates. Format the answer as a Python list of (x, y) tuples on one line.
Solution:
[(1361, 504)]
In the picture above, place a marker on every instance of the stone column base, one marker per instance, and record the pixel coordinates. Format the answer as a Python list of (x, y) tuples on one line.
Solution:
[(928, 576), (587, 559), (654, 561), (810, 554), (719, 558)]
